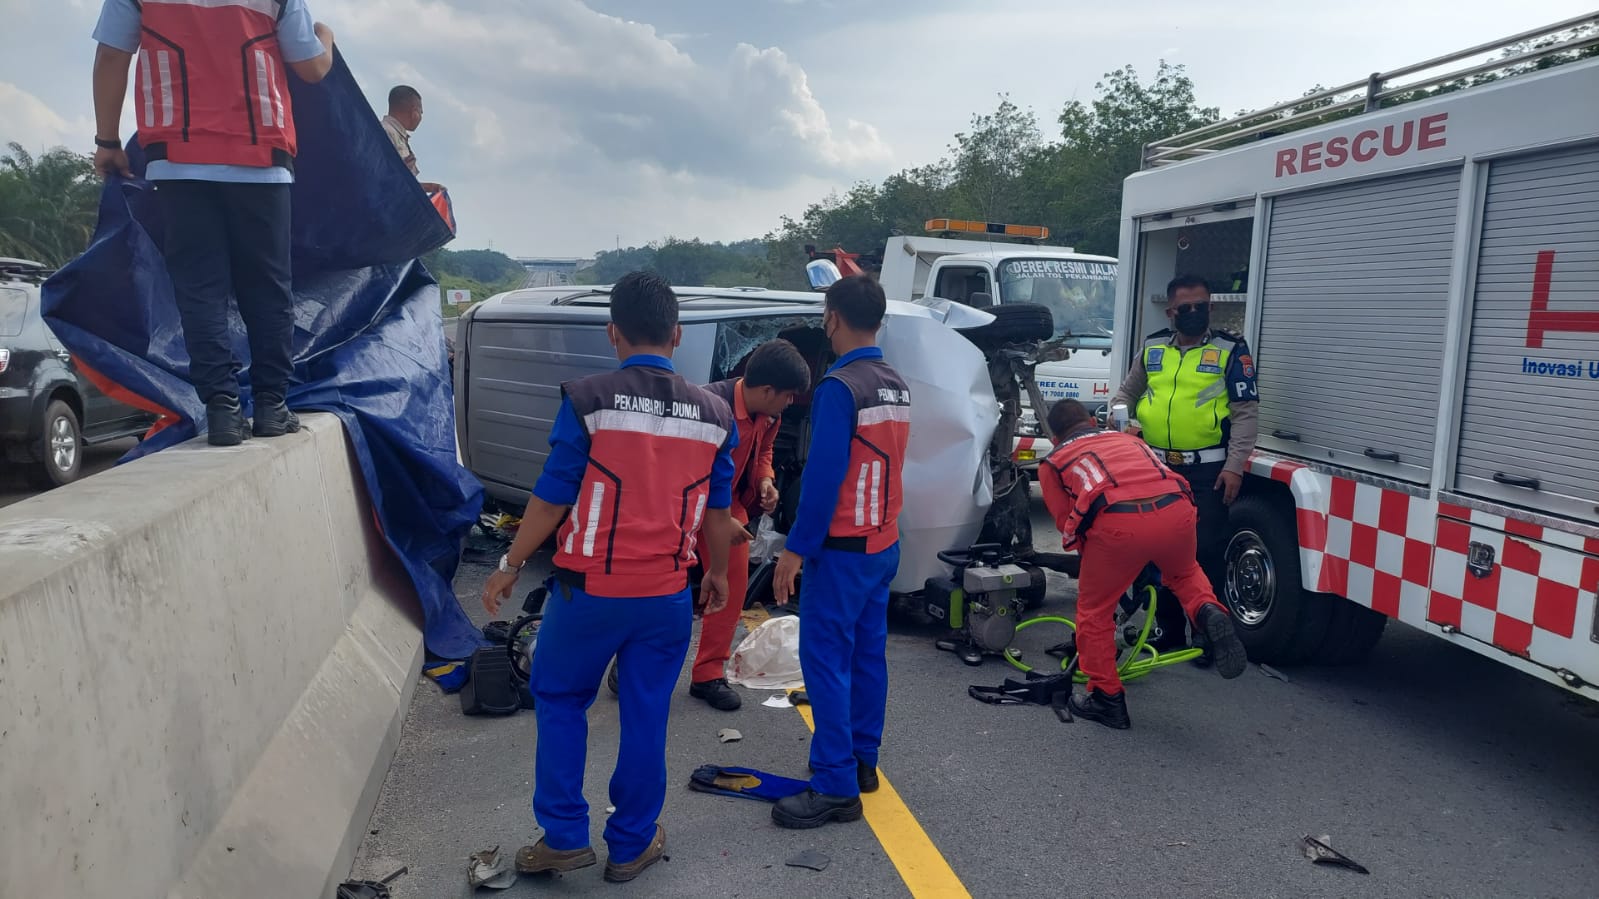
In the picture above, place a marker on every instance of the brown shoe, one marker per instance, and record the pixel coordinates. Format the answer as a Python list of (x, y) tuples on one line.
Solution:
[(539, 858), (616, 873)]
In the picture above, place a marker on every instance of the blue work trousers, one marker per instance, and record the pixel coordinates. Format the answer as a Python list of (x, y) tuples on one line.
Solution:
[(580, 634), (843, 654)]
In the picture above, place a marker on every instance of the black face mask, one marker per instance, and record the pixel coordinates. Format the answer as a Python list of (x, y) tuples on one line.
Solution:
[(1193, 322)]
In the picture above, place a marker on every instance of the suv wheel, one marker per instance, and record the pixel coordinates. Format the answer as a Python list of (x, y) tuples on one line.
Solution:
[(60, 448)]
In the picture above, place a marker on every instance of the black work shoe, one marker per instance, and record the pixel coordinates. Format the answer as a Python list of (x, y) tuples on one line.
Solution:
[(717, 694), (1100, 706), (865, 776), (803, 811), (1222, 637), (273, 418), (622, 873), (224, 422), (539, 858)]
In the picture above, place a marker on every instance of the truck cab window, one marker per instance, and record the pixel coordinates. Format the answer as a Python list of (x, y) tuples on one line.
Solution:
[(958, 284)]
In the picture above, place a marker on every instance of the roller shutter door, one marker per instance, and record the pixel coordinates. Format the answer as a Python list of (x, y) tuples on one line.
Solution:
[(1352, 322), (1531, 409)]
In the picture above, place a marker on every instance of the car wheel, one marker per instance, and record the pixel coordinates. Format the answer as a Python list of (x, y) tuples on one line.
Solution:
[(60, 451), (1013, 323)]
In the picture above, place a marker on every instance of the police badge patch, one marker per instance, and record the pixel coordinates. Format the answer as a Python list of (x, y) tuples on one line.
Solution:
[(1155, 355), (1210, 361)]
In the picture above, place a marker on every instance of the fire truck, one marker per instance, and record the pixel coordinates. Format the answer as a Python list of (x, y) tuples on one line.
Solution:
[(1419, 281)]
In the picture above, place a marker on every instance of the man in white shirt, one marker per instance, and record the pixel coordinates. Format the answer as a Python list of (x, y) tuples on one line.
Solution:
[(405, 115)]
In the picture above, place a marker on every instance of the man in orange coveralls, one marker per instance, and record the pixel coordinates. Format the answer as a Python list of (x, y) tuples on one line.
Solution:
[(1115, 500)]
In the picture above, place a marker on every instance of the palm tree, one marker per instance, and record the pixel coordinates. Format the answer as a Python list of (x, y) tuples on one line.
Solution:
[(48, 204)]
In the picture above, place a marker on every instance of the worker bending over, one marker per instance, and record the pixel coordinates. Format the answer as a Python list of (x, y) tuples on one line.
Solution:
[(775, 374), (846, 535), (642, 458), (1117, 503)]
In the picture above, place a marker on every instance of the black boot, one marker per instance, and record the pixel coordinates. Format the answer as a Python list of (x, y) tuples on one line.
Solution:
[(803, 811), (1100, 706), (224, 421), (273, 418), (1222, 643), (717, 694)]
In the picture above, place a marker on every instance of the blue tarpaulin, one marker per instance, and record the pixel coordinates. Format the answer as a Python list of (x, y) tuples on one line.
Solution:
[(369, 340)]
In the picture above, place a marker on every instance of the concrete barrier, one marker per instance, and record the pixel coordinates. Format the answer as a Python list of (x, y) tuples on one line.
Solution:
[(205, 660)]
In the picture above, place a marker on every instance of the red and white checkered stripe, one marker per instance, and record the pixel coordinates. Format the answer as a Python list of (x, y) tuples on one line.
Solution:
[(1407, 557)]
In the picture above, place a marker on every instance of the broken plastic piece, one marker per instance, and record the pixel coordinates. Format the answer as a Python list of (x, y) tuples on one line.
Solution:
[(810, 858), (1273, 672), (729, 735), (1320, 851), (778, 701), (488, 868)]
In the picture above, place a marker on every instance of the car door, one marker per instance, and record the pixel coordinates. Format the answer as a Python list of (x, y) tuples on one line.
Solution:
[(101, 414)]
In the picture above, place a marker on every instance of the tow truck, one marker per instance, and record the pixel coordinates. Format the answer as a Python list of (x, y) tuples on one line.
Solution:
[(1010, 279), (1419, 285)]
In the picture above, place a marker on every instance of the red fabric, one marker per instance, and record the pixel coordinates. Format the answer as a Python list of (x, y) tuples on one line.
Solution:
[(716, 629), (211, 85), (446, 209), (1100, 464), (1115, 549), (752, 458)]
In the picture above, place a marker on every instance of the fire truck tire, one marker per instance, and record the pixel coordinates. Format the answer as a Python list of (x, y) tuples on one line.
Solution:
[(1278, 620), (1352, 633), (1014, 323)]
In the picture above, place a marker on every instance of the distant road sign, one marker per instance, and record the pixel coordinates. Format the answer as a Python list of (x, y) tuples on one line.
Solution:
[(459, 297)]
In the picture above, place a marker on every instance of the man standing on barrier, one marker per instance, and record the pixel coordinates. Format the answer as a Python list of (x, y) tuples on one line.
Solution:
[(775, 374), (846, 536), (641, 458), (1117, 502), (1197, 403)]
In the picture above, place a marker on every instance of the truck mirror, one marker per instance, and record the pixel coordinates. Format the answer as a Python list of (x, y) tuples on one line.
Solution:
[(980, 300)]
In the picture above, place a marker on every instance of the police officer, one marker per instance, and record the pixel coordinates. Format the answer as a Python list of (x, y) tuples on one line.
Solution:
[(1193, 392), (1116, 501), (846, 538), (642, 459)]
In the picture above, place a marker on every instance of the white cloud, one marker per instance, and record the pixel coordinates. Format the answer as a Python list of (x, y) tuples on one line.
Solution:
[(27, 120)]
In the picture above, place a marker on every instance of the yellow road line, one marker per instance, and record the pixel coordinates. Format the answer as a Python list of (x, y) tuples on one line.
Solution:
[(919, 863)]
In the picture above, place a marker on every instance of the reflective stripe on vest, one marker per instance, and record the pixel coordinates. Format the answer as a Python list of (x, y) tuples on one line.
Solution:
[(653, 439), (211, 86), (866, 518), (1105, 467), (1186, 401)]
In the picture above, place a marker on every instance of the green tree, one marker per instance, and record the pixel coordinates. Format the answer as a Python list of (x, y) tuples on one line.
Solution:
[(48, 204), (989, 162)]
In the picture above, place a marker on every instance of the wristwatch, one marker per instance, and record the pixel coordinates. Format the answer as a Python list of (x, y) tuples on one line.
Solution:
[(108, 144), (507, 568)]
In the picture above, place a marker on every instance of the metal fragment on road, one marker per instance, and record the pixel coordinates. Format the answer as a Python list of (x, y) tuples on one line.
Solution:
[(811, 859), (488, 868), (729, 735), (1273, 672), (1320, 851), (778, 701)]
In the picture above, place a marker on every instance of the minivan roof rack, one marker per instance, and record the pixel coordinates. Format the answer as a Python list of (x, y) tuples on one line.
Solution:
[(24, 269), (1511, 59)]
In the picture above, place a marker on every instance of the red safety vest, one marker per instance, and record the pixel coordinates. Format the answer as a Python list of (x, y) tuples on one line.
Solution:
[(746, 489), (653, 439), (867, 515), (1088, 472), (211, 85)]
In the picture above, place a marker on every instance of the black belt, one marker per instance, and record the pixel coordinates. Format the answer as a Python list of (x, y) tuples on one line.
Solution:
[(845, 544), (1150, 506)]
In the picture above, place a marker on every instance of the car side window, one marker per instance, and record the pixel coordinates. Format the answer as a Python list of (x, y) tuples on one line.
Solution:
[(13, 311)]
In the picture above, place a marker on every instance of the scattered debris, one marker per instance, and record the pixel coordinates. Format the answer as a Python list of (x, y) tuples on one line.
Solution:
[(610, 809), (1320, 851), (369, 889), (1273, 672), (799, 697), (489, 868), (1180, 843), (729, 735), (810, 858), (778, 701)]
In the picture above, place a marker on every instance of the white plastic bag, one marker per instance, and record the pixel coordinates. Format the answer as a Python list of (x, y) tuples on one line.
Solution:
[(767, 542), (768, 659)]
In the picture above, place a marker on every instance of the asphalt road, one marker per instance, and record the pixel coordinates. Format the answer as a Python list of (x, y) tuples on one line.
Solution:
[(14, 485), (1442, 772)]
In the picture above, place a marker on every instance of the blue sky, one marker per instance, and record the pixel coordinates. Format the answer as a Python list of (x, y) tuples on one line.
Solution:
[(561, 126)]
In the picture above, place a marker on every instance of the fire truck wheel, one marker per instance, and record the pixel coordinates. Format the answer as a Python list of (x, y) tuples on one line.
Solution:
[(1352, 634), (1278, 620)]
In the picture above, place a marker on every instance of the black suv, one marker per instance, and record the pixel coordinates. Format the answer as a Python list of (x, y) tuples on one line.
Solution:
[(48, 410)]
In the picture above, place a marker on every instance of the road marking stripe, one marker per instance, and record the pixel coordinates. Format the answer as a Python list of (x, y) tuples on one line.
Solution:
[(919, 863)]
